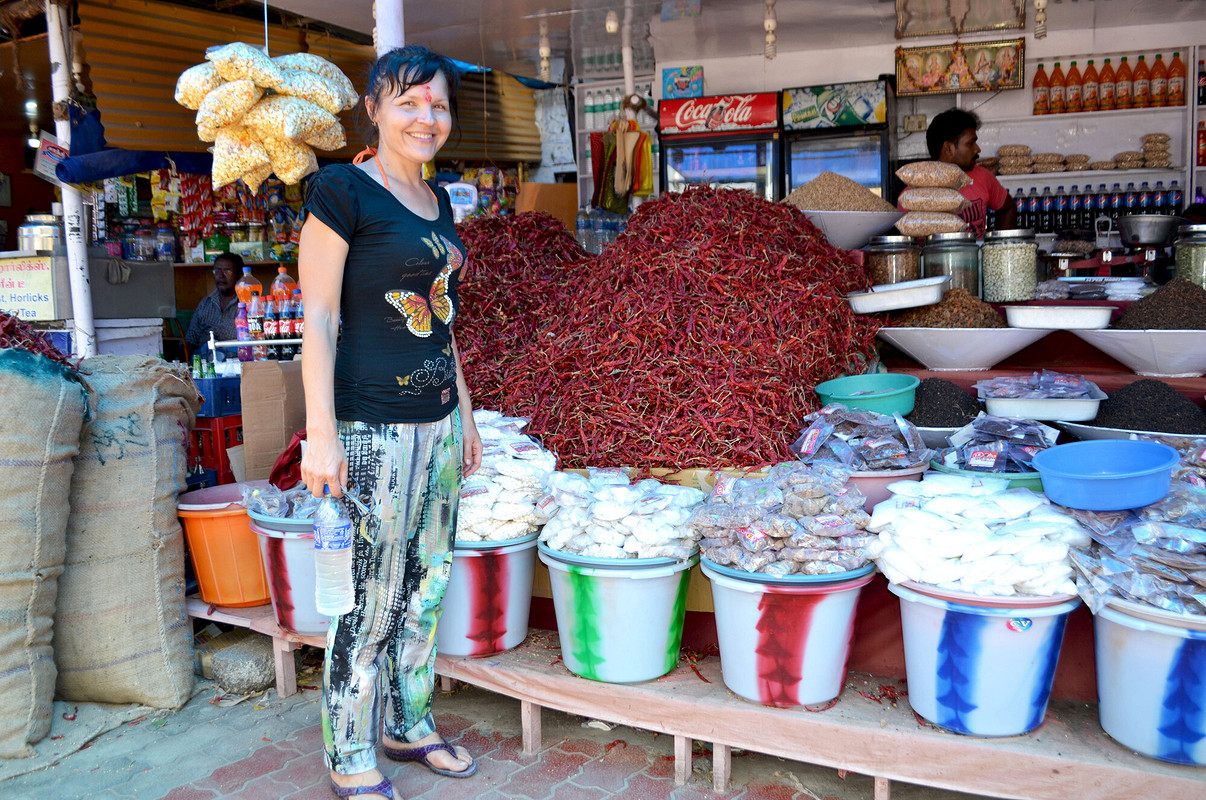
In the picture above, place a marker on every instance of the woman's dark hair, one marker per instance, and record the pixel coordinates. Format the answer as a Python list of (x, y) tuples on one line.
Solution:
[(404, 67), (948, 127)]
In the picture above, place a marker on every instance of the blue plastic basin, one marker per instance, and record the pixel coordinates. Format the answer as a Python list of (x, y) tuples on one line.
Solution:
[(1106, 474)]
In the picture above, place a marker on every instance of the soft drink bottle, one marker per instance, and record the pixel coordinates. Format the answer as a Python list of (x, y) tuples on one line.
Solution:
[(271, 329), (1101, 203), (246, 285), (1090, 87), (1032, 208), (1060, 217), (1023, 210), (283, 284), (333, 592), (1160, 199), (1131, 198), (1042, 91), (1144, 203), (299, 317), (1074, 206), (1176, 81), (1073, 84), (1123, 85), (1106, 84), (243, 332), (1046, 211), (1117, 202), (255, 327), (1159, 85), (1087, 211), (285, 330), (1176, 197), (1141, 85)]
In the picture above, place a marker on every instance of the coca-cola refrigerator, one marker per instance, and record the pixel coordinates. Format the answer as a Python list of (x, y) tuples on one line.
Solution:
[(730, 140), (840, 128)]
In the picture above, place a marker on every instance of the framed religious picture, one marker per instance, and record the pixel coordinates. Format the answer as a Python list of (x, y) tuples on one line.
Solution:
[(943, 17), (959, 67)]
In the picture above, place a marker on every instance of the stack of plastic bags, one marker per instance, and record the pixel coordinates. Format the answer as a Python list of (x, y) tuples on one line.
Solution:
[(932, 199), (975, 535), (265, 115), (603, 515), (498, 502)]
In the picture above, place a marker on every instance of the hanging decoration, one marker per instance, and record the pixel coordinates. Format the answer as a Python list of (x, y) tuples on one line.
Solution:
[(769, 23), (1040, 19)]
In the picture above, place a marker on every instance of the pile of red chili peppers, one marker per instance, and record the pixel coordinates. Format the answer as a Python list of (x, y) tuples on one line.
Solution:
[(695, 340), (21, 336)]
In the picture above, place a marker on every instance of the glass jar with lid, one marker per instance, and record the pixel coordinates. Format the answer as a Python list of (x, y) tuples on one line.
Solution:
[(1191, 254), (236, 231), (956, 255), (1009, 260), (255, 231), (893, 259)]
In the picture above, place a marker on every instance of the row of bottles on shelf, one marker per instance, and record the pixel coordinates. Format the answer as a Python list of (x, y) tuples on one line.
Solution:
[(1109, 89), (1049, 212), (280, 315), (595, 228), (601, 106)]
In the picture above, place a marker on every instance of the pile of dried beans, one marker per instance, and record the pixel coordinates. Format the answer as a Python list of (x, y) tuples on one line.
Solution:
[(695, 340)]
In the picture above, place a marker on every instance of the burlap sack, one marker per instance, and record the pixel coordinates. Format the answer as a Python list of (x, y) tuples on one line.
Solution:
[(39, 435), (121, 633)]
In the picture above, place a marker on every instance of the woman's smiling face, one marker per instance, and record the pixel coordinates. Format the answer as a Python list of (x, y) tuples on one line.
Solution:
[(416, 123)]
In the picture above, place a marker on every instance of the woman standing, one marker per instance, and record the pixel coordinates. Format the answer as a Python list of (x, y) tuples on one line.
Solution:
[(387, 406)]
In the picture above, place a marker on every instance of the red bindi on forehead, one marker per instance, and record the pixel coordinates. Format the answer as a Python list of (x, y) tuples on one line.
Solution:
[(427, 93)]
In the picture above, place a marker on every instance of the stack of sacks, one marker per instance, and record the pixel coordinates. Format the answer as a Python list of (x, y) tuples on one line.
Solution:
[(1129, 159), (498, 502), (1014, 159), (1157, 152), (265, 115), (601, 515), (1048, 162), (931, 185), (1076, 162), (975, 535)]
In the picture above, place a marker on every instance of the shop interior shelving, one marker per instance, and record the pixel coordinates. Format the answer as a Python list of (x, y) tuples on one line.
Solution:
[(647, 119), (194, 280)]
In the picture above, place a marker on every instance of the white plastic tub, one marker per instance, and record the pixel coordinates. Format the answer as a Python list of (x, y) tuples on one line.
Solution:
[(1150, 683), (620, 622), (1065, 318), (906, 294), (289, 562), (485, 609), (784, 645), (1046, 408)]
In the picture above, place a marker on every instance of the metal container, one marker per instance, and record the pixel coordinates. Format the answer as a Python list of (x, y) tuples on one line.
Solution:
[(956, 255), (1191, 254), (39, 232), (1148, 230)]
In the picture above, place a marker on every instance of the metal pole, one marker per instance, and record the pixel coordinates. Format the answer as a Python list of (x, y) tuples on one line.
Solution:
[(73, 201), (390, 32)]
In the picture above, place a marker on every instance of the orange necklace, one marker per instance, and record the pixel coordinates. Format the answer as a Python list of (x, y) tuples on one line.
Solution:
[(372, 151)]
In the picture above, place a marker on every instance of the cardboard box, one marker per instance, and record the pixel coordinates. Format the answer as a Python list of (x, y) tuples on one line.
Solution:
[(558, 199), (274, 408)]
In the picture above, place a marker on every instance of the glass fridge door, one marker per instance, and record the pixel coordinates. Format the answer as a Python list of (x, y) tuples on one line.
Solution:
[(746, 164), (858, 157)]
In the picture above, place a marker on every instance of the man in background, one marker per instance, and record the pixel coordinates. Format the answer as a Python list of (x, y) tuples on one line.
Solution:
[(951, 138), (216, 311)]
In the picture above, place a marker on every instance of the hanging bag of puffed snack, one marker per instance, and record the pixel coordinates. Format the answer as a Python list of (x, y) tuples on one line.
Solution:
[(933, 174), (240, 61), (288, 117), (291, 161), (333, 138), (320, 66), (237, 152), (195, 83), (314, 88), (227, 104)]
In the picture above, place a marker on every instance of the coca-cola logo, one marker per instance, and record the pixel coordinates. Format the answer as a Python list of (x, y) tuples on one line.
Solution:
[(729, 110)]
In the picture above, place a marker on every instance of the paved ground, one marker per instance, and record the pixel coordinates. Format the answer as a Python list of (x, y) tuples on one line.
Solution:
[(270, 748)]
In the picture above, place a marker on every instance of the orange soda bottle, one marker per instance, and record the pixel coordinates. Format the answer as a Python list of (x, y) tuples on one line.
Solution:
[(1141, 85), (1176, 81), (1042, 91), (1072, 86), (1056, 92), (1105, 88), (1159, 82), (247, 285), (283, 284), (1090, 88), (1123, 85)]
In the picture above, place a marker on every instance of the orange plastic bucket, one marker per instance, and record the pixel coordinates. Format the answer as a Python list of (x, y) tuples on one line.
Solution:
[(226, 556)]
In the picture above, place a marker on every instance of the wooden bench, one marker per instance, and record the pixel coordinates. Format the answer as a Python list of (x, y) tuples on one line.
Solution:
[(1068, 758)]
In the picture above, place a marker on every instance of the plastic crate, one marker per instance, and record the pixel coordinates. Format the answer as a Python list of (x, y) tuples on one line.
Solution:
[(202, 480), (220, 397), (209, 441)]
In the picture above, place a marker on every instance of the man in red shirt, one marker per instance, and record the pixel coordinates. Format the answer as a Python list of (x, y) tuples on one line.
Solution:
[(951, 137)]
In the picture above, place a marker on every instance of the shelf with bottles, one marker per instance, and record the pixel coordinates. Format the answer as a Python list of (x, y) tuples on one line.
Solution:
[(1169, 113), (1118, 175), (1149, 85)]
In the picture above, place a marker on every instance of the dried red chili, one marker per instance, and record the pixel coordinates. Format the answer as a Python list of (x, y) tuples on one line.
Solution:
[(20, 335), (695, 340)]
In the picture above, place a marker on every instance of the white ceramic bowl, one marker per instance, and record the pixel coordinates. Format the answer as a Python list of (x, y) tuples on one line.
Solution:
[(892, 296), (850, 230), (955, 349), (1167, 354), (1056, 318)]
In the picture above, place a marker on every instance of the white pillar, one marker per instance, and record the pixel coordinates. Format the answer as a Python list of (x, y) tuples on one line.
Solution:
[(389, 32), (84, 338), (626, 55)]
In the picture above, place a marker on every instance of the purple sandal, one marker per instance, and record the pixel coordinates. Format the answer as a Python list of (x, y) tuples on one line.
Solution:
[(383, 788), (420, 754)]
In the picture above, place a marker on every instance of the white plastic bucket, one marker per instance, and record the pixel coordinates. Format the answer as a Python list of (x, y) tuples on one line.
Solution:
[(784, 646), (1151, 683), (488, 598), (289, 562), (981, 670), (621, 624)]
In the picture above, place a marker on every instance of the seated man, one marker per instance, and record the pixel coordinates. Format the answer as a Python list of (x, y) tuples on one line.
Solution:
[(216, 311), (951, 137)]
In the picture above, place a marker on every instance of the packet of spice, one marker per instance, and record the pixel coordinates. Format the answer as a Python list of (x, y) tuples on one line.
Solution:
[(1046, 384), (860, 440), (997, 444)]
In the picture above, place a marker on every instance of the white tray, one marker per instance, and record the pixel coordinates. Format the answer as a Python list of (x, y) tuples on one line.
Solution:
[(1046, 408), (960, 349), (1168, 354), (1056, 318), (891, 296), (1089, 432)]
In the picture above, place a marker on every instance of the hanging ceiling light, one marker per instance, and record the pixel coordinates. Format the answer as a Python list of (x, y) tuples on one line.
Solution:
[(612, 23), (769, 23), (545, 51), (1040, 19)]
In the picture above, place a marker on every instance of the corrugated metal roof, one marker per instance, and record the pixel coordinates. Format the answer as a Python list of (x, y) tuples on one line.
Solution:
[(136, 49)]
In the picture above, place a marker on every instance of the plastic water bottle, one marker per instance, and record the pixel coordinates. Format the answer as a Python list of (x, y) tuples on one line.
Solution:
[(333, 594), (582, 229)]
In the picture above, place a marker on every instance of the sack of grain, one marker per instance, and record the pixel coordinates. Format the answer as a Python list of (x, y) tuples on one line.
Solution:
[(1077, 158), (927, 199), (1013, 163), (1129, 155), (1157, 149), (35, 479), (227, 104), (1026, 170), (239, 61), (1044, 158), (237, 151), (1157, 163), (196, 82), (120, 631), (990, 164), (1156, 138), (1102, 165), (927, 223), (832, 192), (1013, 150), (290, 117), (933, 174)]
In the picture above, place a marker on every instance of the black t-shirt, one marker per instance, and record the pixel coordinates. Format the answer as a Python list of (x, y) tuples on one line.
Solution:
[(394, 361)]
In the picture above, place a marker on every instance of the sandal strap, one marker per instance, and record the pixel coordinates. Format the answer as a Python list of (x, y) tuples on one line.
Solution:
[(384, 788), (421, 753)]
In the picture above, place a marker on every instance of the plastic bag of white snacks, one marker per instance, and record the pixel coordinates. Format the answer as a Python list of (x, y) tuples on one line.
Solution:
[(603, 515), (798, 519), (240, 61), (195, 83), (318, 65), (499, 502), (227, 104), (332, 138), (311, 87), (237, 152), (291, 161), (289, 117), (975, 535)]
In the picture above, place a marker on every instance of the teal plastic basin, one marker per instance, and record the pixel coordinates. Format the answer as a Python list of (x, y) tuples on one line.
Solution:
[(886, 392)]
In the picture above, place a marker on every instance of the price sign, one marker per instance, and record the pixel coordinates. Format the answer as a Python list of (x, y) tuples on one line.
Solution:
[(27, 287)]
